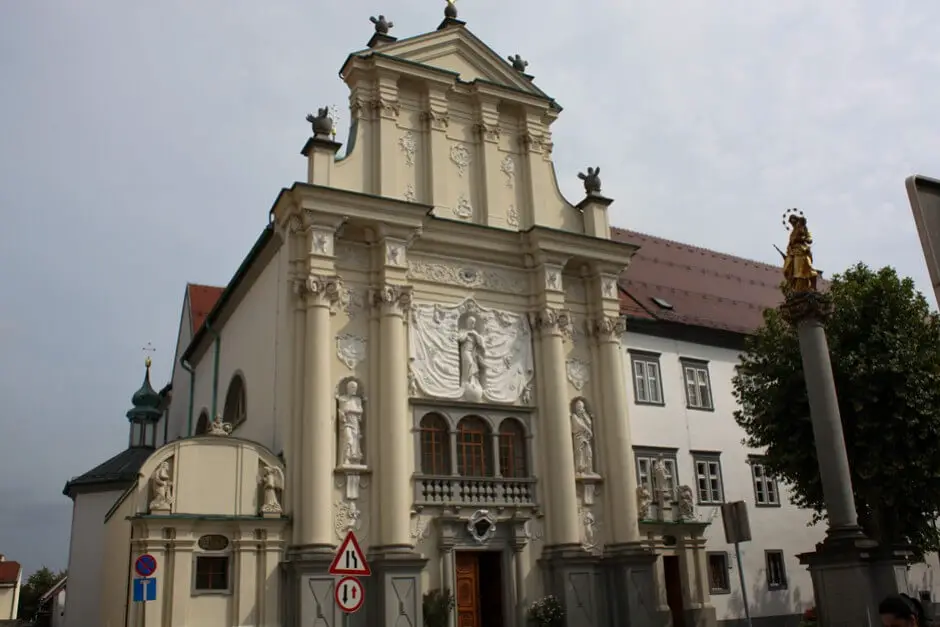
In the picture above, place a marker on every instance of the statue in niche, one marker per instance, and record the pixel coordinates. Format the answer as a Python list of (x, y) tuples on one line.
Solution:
[(162, 485), (661, 481), (643, 501), (686, 503), (465, 352), (349, 414), (590, 530), (271, 479), (582, 430), (472, 352)]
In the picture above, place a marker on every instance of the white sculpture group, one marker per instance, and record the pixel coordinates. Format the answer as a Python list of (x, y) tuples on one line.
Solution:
[(470, 353)]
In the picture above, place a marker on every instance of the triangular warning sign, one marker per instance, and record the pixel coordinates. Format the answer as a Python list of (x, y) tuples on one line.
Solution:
[(350, 559)]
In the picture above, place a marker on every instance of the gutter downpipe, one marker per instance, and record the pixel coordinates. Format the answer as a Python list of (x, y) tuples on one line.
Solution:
[(215, 370), (192, 393)]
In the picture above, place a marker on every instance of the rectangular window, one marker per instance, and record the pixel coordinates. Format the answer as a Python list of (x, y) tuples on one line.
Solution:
[(434, 451), (765, 486), (698, 392), (647, 386), (511, 455), (211, 573), (718, 582), (708, 479), (776, 570), (644, 468)]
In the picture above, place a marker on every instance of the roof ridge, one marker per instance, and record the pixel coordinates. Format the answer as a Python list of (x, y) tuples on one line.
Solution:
[(214, 287), (698, 248)]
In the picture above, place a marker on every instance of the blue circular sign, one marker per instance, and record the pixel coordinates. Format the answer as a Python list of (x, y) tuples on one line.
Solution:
[(146, 565)]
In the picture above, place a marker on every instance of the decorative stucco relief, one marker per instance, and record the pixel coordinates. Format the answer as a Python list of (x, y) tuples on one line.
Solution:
[(589, 539), (579, 372), (470, 353), (355, 302), (408, 146), (451, 273), (395, 254), (322, 243), (420, 527), (534, 529), (351, 349), (512, 216), (410, 194), (508, 167), (461, 157), (609, 287), (553, 280), (463, 210), (348, 518)]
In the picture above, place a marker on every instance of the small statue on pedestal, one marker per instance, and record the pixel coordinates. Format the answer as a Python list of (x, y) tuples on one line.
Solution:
[(592, 181), (798, 272), (381, 24)]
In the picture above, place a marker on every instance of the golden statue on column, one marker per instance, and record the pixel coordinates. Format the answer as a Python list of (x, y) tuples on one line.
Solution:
[(799, 275)]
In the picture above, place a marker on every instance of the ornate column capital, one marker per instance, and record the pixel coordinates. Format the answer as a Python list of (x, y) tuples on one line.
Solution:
[(392, 300), (551, 321), (807, 306), (321, 291), (608, 329)]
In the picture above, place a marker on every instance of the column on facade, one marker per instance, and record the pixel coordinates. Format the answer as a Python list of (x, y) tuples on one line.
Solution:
[(181, 574), (438, 163), (152, 613), (322, 293), (294, 444), (607, 328), (560, 490), (448, 577), (272, 549), (394, 429), (694, 564), (388, 107), (489, 132), (519, 603), (245, 573)]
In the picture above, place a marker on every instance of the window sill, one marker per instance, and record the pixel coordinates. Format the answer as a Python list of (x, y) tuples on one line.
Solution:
[(719, 591), (705, 409), (767, 505), (650, 403), (214, 593)]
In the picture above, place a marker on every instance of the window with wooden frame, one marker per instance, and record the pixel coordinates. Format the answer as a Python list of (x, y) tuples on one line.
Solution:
[(698, 392), (512, 454), (647, 385), (718, 580), (776, 570), (766, 493), (435, 445), (211, 571), (708, 478), (644, 467), (473, 448)]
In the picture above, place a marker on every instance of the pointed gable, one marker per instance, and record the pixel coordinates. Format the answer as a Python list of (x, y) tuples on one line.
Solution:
[(202, 298), (456, 50)]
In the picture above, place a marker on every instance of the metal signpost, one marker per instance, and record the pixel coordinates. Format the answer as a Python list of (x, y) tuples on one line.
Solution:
[(350, 564), (738, 530)]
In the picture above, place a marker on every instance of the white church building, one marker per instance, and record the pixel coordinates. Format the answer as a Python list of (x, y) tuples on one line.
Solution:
[(503, 396)]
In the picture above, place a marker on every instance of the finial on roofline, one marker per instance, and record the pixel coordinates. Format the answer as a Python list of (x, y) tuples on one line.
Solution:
[(381, 24), (322, 122), (518, 63), (148, 349), (592, 181), (450, 11)]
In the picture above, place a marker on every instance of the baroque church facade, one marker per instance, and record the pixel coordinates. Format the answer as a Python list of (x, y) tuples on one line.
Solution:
[(426, 346)]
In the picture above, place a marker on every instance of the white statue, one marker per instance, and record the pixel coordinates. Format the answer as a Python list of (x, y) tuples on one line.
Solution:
[(472, 351), (590, 524), (582, 429), (271, 479), (686, 503), (219, 427), (349, 414), (661, 481), (162, 485), (643, 501)]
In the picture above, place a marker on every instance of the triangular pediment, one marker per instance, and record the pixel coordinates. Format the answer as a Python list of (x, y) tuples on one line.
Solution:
[(456, 49)]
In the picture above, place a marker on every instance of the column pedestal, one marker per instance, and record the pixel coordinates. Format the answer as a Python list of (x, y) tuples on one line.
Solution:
[(307, 589), (631, 578), (393, 592), (573, 575)]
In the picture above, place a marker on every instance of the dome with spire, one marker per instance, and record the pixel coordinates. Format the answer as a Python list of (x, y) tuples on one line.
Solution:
[(146, 400)]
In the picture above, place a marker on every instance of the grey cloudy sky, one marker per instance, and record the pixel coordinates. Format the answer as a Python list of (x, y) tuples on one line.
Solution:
[(143, 143)]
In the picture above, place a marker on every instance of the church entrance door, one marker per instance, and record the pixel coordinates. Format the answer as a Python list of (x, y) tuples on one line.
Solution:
[(479, 594), (673, 576)]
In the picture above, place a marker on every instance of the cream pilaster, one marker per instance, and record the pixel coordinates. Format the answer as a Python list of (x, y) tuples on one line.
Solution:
[(388, 162), (489, 131), (554, 324), (438, 162), (608, 327), (152, 613), (245, 574), (532, 142), (297, 243), (182, 576)]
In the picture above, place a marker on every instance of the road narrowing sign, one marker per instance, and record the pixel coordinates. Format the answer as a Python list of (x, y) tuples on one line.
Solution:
[(350, 560)]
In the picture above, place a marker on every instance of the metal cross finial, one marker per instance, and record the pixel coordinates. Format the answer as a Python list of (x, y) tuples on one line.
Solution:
[(334, 115), (148, 349)]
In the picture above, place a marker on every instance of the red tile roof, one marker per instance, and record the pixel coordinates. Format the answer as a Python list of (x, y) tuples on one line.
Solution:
[(202, 298), (705, 288), (9, 572)]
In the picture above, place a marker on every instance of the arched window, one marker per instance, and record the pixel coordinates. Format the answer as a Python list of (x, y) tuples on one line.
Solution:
[(512, 454), (235, 411), (435, 445), (202, 425), (474, 454)]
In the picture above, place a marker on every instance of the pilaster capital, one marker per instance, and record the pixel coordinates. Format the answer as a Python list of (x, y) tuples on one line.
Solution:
[(438, 120), (392, 300), (608, 329), (321, 291), (552, 321)]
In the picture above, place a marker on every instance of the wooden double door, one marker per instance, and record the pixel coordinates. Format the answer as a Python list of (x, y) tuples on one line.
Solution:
[(479, 589)]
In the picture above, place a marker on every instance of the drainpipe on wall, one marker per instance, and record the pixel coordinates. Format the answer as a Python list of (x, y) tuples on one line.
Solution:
[(215, 371), (192, 391)]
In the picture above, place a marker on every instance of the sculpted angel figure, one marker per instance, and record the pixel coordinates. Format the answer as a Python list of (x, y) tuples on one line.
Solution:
[(643, 501), (471, 351), (219, 427), (349, 412), (162, 484), (798, 270), (686, 503), (661, 481), (582, 429), (271, 480)]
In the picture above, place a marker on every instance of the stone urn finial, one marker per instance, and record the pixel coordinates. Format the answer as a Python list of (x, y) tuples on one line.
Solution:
[(518, 63), (592, 181), (381, 24), (450, 11), (322, 123)]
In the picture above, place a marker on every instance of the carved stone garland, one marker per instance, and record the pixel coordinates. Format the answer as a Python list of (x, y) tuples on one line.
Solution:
[(408, 146), (461, 157)]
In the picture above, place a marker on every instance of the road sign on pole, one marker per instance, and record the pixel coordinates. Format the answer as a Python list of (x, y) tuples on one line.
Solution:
[(145, 589), (145, 565), (350, 560), (349, 594)]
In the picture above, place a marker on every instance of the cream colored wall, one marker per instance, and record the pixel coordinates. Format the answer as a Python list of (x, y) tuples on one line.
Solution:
[(178, 414), (216, 491), (86, 556), (114, 582), (772, 528), (10, 599)]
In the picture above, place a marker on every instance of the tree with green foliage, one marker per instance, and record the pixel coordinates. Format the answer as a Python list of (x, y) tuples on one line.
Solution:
[(884, 342), (36, 585)]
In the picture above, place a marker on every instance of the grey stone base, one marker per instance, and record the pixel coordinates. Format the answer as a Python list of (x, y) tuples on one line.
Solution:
[(393, 592), (575, 578), (632, 588), (703, 617), (307, 588)]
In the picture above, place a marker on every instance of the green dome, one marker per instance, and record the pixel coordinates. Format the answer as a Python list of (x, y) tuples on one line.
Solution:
[(146, 401)]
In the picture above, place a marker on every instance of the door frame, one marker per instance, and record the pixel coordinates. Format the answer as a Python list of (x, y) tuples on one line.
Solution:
[(507, 597)]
